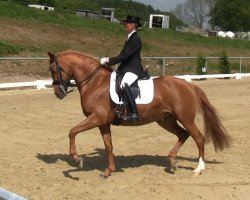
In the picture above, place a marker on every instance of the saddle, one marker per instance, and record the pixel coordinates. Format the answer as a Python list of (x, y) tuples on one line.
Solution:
[(136, 93), (135, 89)]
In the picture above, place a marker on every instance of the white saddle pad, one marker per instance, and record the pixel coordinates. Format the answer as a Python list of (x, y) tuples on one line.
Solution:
[(146, 89)]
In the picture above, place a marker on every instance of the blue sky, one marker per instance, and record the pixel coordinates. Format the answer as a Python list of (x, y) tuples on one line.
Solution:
[(163, 5)]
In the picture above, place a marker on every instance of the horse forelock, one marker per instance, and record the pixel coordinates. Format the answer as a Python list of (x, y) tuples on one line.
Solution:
[(88, 56)]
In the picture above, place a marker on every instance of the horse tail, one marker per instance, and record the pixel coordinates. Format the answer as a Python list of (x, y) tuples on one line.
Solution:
[(213, 127)]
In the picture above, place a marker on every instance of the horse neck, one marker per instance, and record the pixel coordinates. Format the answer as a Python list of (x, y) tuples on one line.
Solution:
[(85, 73)]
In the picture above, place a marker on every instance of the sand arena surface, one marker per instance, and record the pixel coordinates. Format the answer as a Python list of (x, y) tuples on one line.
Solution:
[(34, 160)]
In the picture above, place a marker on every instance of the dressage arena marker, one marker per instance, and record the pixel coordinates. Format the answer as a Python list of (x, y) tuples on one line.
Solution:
[(41, 84), (7, 195)]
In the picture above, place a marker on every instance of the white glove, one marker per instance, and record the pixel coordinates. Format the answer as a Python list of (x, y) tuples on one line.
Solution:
[(104, 61)]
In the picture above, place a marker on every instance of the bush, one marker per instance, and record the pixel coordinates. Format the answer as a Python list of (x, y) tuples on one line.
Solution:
[(224, 64), (201, 65), (6, 48)]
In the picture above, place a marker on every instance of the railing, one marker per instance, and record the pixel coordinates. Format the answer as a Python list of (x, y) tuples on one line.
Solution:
[(42, 84), (5, 194), (166, 64), (161, 65), (163, 61)]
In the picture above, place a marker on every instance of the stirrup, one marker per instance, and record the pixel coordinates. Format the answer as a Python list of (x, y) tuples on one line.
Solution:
[(131, 118)]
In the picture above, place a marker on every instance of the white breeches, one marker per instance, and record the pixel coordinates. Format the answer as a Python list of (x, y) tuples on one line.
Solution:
[(128, 78)]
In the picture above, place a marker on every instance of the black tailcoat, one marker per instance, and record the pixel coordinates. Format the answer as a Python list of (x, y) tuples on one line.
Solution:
[(129, 57)]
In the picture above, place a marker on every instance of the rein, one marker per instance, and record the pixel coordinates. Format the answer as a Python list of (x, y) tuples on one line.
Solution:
[(63, 85), (86, 80)]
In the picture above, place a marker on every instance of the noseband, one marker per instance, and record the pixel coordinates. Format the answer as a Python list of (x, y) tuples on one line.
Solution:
[(63, 85)]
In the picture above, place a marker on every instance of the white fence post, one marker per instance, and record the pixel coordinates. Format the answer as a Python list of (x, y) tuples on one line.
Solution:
[(40, 84), (164, 66)]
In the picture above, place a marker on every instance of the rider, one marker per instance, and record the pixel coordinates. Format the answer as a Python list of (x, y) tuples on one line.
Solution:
[(130, 66)]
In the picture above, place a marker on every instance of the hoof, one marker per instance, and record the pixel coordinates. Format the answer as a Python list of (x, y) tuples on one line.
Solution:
[(104, 175), (171, 170), (80, 162), (196, 174), (200, 168), (174, 167)]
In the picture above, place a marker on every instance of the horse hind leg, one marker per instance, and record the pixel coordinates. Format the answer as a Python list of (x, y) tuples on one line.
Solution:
[(200, 142), (170, 124)]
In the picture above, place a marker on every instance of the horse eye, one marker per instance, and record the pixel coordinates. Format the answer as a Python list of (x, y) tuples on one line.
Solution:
[(52, 70)]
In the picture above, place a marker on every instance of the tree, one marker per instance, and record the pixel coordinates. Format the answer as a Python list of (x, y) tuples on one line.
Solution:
[(201, 65), (224, 64), (196, 12), (210, 4), (231, 15), (179, 11)]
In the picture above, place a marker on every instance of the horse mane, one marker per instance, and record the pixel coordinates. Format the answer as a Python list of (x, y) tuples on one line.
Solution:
[(110, 69), (94, 58)]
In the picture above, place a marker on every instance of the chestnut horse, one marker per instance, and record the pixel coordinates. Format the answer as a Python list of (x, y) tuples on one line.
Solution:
[(175, 100)]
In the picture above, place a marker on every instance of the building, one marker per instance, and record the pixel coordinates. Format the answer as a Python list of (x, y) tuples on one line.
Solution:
[(41, 7), (108, 13), (158, 21), (87, 13)]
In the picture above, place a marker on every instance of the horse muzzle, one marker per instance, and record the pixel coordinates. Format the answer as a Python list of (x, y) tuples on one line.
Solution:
[(60, 92), (60, 95)]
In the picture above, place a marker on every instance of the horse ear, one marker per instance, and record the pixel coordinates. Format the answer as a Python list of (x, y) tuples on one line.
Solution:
[(51, 56)]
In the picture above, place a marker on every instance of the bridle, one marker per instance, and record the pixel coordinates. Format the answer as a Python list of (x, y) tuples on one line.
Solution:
[(63, 85)]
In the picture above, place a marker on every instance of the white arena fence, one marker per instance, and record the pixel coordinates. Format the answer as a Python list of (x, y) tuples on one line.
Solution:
[(7, 195), (43, 84)]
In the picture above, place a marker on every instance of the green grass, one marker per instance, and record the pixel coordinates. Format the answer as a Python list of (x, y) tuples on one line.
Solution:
[(64, 19), (18, 12), (103, 38), (199, 40), (155, 41), (6, 48)]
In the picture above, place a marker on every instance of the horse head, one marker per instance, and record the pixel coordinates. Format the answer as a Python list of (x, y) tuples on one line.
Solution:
[(60, 76)]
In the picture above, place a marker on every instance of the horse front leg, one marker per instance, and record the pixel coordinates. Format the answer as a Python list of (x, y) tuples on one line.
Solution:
[(89, 123), (106, 135)]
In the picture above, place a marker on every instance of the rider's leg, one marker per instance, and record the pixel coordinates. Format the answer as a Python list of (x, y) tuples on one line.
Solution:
[(133, 116), (128, 79)]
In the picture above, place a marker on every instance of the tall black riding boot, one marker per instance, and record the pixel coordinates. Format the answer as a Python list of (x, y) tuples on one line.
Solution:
[(133, 116)]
